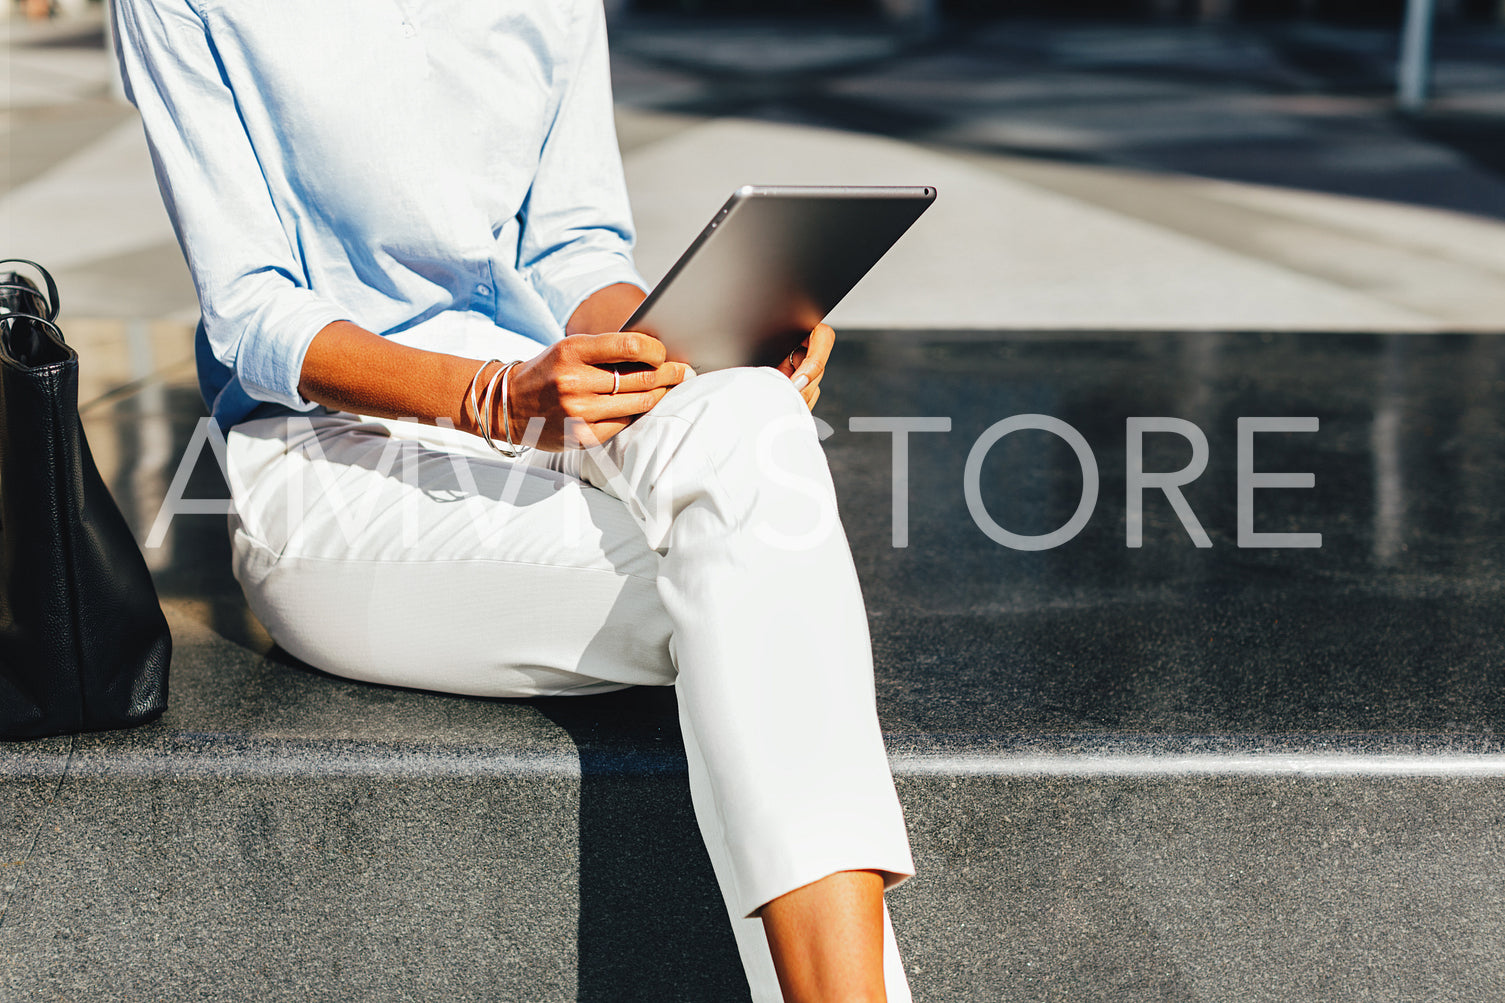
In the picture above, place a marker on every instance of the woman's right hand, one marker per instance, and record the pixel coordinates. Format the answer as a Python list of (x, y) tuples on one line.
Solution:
[(572, 379)]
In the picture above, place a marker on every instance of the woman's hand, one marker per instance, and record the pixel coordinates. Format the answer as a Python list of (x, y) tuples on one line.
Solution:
[(809, 362), (572, 379)]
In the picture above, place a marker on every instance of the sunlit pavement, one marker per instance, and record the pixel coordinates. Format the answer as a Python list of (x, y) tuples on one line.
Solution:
[(1160, 772), (1140, 177)]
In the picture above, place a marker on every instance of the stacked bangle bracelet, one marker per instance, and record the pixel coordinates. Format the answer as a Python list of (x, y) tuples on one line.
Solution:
[(483, 409)]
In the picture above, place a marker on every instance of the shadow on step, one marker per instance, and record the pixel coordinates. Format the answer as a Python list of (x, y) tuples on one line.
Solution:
[(652, 926)]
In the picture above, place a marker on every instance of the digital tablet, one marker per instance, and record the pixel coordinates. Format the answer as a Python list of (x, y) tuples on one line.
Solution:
[(768, 267)]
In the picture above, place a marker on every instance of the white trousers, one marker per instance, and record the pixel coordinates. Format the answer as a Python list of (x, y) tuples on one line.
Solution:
[(700, 548)]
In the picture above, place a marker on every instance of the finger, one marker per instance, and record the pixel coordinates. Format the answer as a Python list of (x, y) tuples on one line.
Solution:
[(584, 434), (607, 407), (817, 350), (811, 390), (667, 375), (618, 346), (791, 362)]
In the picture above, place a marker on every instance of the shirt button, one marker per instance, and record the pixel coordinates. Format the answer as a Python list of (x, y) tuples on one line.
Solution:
[(483, 290)]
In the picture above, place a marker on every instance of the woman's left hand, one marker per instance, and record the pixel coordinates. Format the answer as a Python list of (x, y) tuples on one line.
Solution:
[(807, 363)]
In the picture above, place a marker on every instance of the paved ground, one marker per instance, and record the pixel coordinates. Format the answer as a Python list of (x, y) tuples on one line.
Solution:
[(1135, 177), (1165, 773), (1140, 177), (1100, 177)]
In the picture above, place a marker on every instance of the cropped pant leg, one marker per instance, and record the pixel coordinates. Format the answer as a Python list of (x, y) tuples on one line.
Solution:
[(700, 547)]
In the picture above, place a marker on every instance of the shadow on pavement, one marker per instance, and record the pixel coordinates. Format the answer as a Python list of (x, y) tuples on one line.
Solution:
[(1293, 104)]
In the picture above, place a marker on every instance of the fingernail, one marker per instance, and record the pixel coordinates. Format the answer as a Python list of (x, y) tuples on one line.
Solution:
[(801, 381)]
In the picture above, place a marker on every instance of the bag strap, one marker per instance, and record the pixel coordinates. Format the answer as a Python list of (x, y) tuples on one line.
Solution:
[(7, 321), (27, 351), (53, 302), (33, 292)]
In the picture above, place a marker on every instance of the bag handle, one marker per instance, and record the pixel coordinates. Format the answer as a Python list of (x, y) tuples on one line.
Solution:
[(6, 318), (8, 333), (53, 302), (34, 293), (7, 328)]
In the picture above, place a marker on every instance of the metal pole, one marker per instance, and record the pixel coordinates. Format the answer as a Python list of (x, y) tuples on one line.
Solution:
[(1415, 70)]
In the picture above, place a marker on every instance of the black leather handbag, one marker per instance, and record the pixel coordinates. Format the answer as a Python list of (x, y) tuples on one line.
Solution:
[(83, 643)]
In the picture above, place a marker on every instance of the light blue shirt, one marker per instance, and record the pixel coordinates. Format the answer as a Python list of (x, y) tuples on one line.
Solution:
[(443, 172)]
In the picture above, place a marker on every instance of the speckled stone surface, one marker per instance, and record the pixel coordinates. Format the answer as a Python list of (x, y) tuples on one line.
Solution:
[(1286, 889), (1390, 627), (284, 835)]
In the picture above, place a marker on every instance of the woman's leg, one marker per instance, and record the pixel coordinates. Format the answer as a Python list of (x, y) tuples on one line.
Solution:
[(775, 685), (384, 558), (368, 551), (827, 939)]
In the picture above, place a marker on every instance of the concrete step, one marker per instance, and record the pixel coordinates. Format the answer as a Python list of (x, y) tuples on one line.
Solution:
[(213, 867), (1165, 772)]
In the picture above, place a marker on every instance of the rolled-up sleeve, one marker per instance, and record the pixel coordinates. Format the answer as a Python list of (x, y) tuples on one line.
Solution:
[(259, 314), (577, 230)]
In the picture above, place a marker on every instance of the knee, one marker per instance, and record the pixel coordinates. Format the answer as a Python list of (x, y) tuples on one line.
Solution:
[(752, 423), (742, 423), (742, 399), (741, 440)]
